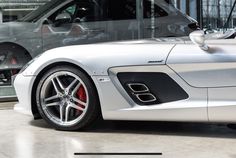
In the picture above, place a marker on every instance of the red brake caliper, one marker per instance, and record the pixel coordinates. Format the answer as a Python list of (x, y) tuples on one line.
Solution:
[(14, 62), (81, 95)]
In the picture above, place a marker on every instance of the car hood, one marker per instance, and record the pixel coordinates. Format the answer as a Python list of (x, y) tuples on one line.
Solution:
[(96, 59)]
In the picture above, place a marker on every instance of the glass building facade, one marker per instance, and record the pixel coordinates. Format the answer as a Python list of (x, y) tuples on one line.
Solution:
[(15, 9), (216, 13), (211, 14), (40, 25)]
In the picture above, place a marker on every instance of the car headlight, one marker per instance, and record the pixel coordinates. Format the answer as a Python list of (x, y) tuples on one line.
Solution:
[(29, 63)]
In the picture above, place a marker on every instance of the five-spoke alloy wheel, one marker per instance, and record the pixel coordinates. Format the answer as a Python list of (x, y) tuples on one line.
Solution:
[(66, 98)]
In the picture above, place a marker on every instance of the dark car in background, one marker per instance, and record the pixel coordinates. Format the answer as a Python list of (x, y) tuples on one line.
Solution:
[(72, 22)]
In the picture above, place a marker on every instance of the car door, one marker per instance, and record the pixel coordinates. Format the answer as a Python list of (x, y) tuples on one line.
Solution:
[(81, 25), (214, 70)]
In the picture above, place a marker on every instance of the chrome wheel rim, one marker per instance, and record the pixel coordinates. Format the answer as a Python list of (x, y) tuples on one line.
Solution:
[(64, 98)]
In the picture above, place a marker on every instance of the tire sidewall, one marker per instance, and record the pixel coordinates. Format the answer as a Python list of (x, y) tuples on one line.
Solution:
[(92, 111)]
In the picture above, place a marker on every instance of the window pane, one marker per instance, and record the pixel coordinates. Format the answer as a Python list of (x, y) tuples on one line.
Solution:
[(157, 11), (57, 23), (162, 19), (121, 9)]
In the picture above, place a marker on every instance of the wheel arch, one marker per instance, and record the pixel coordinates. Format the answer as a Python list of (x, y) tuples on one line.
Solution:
[(34, 108), (15, 45)]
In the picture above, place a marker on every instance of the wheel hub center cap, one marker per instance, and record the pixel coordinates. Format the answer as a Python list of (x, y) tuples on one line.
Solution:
[(66, 98)]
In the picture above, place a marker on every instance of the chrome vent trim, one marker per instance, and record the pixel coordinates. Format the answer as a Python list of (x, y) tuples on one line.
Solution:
[(138, 87), (146, 97)]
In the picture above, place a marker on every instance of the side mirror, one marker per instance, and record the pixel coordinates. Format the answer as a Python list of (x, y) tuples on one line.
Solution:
[(198, 38), (62, 18)]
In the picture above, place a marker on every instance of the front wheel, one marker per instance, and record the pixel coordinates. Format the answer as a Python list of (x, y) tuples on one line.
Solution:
[(67, 99)]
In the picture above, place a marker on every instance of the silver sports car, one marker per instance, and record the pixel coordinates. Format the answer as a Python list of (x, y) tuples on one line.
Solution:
[(165, 79)]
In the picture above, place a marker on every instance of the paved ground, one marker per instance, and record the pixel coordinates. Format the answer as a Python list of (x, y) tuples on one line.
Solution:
[(22, 137), (7, 105)]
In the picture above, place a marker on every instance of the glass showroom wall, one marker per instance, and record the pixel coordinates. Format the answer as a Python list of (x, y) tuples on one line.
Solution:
[(216, 14), (31, 27), (212, 15)]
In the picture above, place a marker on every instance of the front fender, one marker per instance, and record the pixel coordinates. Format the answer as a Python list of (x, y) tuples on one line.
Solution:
[(34, 69), (98, 58)]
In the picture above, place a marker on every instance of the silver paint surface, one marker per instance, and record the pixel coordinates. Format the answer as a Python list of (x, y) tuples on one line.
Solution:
[(213, 68), (207, 77)]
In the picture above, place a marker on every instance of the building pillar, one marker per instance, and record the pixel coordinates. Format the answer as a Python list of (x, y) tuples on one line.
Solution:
[(183, 6), (1, 15), (177, 4), (193, 8), (200, 13)]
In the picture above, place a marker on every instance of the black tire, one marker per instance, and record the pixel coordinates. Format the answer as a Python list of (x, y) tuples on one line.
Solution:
[(92, 110)]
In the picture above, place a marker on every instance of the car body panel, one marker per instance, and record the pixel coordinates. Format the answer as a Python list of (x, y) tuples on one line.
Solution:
[(210, 99), (104, 55), (27, 35), (199, 68), (24, 106), (222, 104), (172, 111)]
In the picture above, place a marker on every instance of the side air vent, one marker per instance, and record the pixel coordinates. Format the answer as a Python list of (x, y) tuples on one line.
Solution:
[(146, 97), (141, 93), (138, 87), (160, 87)]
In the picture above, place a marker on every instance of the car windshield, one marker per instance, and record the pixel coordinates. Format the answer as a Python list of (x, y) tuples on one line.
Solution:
[(41, 11)]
